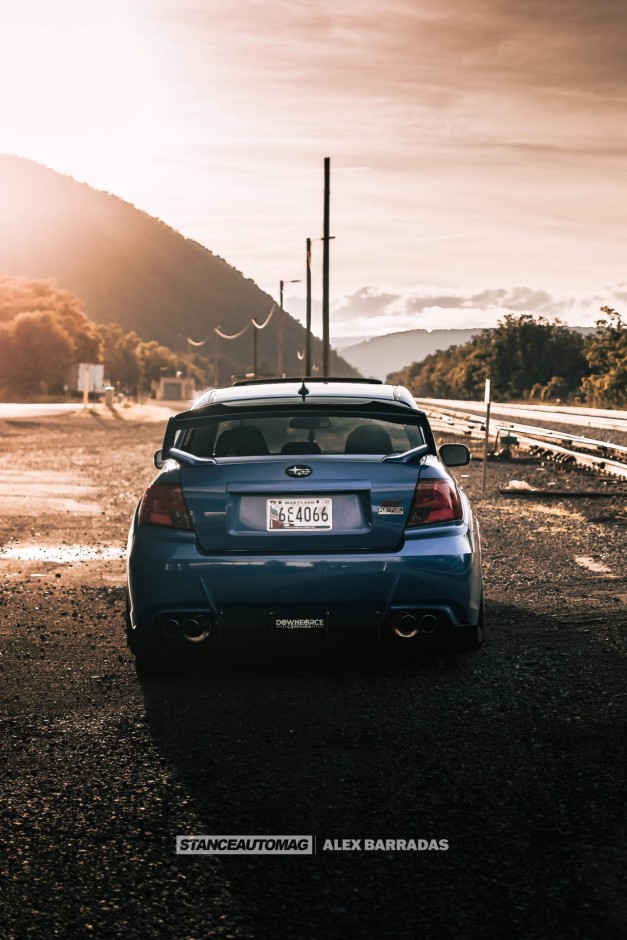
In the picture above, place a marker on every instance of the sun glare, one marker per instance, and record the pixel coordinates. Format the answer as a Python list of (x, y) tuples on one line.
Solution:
[(78, 89)]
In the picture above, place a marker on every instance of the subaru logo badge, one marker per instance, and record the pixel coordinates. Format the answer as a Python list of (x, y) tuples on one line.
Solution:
[(298, 470)]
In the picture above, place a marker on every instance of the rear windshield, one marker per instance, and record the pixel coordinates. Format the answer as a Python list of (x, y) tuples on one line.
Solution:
[(298, 433)]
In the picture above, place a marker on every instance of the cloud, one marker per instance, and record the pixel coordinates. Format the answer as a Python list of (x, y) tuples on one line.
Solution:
[(468, 137), (373, 312)]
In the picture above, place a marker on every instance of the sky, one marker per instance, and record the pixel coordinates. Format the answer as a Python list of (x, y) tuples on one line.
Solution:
[(478, 147)]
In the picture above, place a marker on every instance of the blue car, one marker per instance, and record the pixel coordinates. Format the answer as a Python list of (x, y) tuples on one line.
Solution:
[(300, 512)]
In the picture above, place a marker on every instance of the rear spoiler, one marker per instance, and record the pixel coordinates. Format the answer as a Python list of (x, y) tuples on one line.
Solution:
[(190, 419), (170, 452), (408, 456)]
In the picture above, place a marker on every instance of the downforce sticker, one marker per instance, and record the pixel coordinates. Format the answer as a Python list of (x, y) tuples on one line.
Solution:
[(306, 623)]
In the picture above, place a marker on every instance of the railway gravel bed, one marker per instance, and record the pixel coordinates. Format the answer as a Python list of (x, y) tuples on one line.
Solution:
[(514, 755)]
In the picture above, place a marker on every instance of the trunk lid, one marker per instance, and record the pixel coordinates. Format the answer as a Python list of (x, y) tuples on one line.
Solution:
[(329, 504)]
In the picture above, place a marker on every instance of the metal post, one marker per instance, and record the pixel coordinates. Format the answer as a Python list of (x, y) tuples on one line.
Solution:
[(486, 444), (308, 312), (85, 387), (325, 269), (254, 351)]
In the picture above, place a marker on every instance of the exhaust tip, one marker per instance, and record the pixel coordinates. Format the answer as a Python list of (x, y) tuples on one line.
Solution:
[(406, 626), (196, 629), (428, 624), (170, 629)]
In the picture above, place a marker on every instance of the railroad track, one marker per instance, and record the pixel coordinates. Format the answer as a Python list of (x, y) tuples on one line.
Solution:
[(551, 443), (597, 418)]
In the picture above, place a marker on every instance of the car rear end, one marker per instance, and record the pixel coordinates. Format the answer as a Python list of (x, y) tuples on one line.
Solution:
[(335, 521)]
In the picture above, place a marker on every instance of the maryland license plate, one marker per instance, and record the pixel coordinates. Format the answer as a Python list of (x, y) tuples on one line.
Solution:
[(303, 512)]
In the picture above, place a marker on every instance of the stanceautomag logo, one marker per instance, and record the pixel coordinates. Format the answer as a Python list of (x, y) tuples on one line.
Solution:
[(244, 845)]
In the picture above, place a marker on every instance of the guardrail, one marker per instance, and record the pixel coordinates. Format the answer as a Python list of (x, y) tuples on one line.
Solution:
[(585, 451)]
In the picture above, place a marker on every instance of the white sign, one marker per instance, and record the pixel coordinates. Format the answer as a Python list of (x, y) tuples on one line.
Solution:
[(90, 374)]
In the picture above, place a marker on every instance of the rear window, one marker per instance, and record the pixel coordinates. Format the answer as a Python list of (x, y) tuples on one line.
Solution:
[(298, 433)]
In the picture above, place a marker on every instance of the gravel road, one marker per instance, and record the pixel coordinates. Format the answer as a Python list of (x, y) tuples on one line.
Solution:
[(514, 755)]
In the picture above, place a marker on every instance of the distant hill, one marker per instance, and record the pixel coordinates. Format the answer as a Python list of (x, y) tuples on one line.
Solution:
[(377, 357), (130, 268)]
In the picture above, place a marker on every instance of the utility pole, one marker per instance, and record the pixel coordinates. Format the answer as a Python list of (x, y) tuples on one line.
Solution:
[(325, 268), (308, 312)]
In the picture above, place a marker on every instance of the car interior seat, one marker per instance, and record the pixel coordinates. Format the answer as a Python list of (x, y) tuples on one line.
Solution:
[(202, 440), (301, 447), (243, 441), (368, 439)]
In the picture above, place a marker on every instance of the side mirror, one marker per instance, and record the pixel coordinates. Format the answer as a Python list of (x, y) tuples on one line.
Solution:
[(454, 455), (158, 458)]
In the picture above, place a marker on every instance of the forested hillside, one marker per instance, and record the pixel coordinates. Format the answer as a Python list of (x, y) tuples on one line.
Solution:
[(44, 332), (526, 358), (129, 268)]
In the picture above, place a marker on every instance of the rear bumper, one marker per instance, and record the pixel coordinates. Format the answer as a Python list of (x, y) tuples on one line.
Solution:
[(240, 598)]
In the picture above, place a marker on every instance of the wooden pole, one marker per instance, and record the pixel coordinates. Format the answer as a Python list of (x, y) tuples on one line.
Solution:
[(325, 268), (308, 312)]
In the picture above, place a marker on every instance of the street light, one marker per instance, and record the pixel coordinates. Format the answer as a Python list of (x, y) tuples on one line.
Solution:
[(282, 325)]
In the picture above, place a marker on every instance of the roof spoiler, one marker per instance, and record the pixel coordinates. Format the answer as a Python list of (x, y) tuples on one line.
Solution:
[(408, 456), (308, 378)]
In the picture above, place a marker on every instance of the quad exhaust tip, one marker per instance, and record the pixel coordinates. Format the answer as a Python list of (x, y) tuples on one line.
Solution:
[(193, 629), (408, 625)]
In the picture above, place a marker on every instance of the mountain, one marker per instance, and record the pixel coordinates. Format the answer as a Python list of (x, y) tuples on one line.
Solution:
[(377, 357), (130, 268)]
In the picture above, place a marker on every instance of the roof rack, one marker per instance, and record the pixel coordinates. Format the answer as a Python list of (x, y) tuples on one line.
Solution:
[(308, 378)]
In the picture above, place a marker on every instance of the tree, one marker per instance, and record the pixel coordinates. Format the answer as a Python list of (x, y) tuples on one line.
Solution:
[(155, 361), (35, 353), (522, 356), (21, 295), (526, 351), (606, 353), (121, 359), (43, 331)]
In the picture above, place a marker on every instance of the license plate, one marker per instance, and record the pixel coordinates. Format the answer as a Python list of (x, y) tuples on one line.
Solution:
[(303, 512)]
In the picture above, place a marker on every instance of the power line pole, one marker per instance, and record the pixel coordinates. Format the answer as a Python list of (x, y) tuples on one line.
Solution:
[(325, 268), (308, 312)]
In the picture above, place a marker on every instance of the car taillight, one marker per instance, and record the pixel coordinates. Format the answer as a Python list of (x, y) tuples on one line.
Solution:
[(434, 501), (164, 504)]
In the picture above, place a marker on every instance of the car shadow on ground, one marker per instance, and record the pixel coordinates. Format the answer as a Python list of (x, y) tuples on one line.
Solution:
[(484, 749)]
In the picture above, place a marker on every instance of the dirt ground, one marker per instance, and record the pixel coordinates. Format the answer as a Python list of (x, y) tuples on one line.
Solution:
[(514, 755)]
